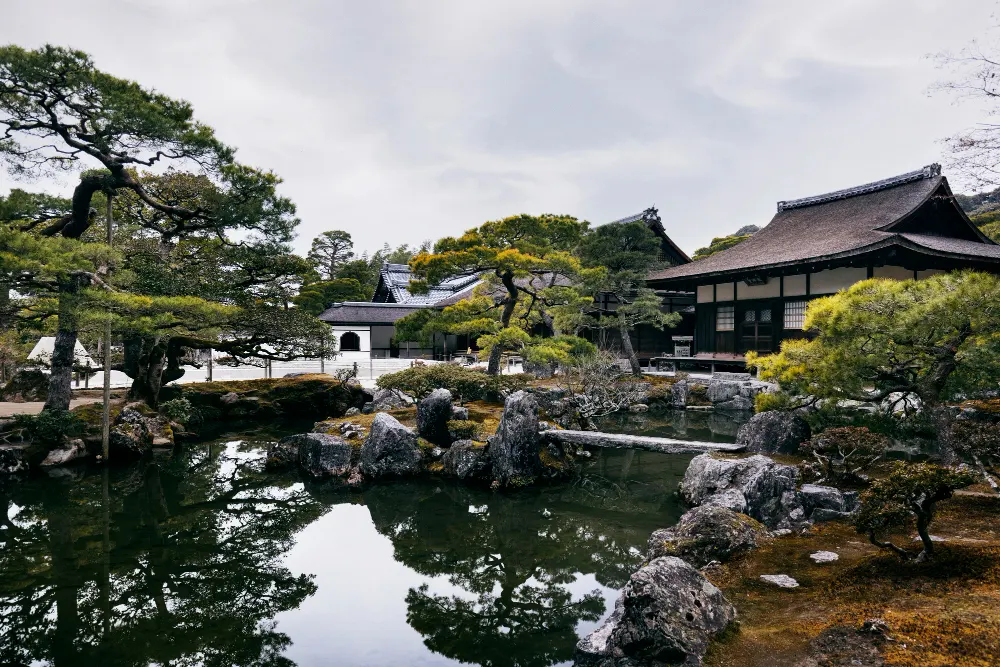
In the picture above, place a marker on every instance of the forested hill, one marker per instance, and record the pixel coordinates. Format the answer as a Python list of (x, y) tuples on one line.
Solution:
[(984, 210)]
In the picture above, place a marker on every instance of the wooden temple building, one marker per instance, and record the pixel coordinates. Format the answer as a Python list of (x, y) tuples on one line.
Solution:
[(754, 295)]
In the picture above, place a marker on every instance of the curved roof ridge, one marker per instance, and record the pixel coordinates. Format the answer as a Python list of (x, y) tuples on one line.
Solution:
[(928, 171)]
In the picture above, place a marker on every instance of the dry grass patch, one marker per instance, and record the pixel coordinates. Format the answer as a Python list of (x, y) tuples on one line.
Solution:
[(946, 612)]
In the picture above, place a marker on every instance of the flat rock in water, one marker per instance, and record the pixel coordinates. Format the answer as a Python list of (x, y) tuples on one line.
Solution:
[(824, 557), (780, 580)]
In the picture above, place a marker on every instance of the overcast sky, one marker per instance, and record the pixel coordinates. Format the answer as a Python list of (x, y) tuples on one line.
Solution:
[(403, 121)]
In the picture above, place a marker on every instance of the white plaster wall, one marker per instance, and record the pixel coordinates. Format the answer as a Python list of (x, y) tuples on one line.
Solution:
[(724, 292), (834, 280), (705, 293), (364, 334), (927, 274), (795, 285), (771, 288), (893, 272)]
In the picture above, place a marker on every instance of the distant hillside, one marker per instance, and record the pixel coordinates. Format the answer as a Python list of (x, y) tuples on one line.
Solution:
[(720, 243), (984, 211)]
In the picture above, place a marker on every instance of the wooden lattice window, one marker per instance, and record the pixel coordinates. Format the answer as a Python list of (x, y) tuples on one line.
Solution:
[(795, 314)]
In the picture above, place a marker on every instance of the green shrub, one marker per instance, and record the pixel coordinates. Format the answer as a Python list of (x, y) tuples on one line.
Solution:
[(177, 410), (50, 427), (907, 496), (979, 443), (465, 384)]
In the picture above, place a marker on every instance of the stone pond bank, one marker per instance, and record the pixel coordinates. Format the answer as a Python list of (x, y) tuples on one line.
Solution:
[(669, 612)]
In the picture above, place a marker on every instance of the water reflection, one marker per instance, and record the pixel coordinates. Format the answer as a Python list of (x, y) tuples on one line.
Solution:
[(703, 425), (183, 561)]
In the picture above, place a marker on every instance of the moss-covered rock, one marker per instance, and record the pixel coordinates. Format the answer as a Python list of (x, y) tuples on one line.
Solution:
[(305, 396)]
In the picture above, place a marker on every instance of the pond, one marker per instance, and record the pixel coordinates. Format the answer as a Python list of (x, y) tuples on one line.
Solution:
[(201, 558)]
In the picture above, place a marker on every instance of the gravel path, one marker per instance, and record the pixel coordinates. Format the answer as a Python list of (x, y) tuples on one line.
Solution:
[(10, 409)]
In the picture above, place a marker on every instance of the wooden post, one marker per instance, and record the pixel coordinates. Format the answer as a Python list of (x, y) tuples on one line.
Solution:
[(211, 353), (106, 414)]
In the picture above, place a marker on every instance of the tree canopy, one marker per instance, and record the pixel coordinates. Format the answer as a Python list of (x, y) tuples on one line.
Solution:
[(932, 338), (529, 276), (329, 251), (626, 253)]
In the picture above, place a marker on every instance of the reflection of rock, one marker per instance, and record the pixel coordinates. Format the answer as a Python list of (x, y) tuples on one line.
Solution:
[(774, 432), (390, 449), (767, 487), (705, 534), (13, 459), (433, 414), (515, 447), (668, 614), (466, 460), (726, 423)]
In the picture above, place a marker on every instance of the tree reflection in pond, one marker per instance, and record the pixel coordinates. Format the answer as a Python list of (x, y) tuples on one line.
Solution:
[(516, 556), (190, 572), (181, 561)]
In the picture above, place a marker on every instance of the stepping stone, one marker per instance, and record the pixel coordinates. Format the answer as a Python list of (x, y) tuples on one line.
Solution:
[(780, 580), (824, 557), (934, 538)]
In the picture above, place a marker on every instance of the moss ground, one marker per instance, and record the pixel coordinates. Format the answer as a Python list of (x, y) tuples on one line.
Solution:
[(942, 613)]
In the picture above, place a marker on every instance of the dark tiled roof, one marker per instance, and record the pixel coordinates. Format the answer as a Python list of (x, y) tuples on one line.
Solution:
[(652, 219), (396, 278), (363, 312), (839, 224)]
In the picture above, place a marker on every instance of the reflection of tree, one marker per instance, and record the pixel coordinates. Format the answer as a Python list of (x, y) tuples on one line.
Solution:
[(514, 561), (191, 575)]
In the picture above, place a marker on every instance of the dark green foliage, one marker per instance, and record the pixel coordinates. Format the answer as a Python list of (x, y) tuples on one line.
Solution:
[(26, 385), (51, 427), (316, 297), (907, 495), (464, 383), (178, 410), (978, 442), (845, 455)]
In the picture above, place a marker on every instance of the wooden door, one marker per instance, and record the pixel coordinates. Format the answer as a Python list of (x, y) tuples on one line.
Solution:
[(757, 329)]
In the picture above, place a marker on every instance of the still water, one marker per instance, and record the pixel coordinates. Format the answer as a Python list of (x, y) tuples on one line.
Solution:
[(200, 558)]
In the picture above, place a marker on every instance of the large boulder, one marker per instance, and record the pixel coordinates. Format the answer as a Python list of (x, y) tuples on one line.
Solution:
[(72, 450), (705, 534), (318, 454), (679, 394), (467, 460), (282, 454), (667, 615), (766, 488), (130, 436), (388, 399), (773, 432), (735, 392), (514, 450), (433, 414), (390, 450)]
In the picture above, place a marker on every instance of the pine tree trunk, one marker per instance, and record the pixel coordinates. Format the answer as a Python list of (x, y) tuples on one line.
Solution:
[(633, 358), (64, 350), (145, 361), (496, 352)]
